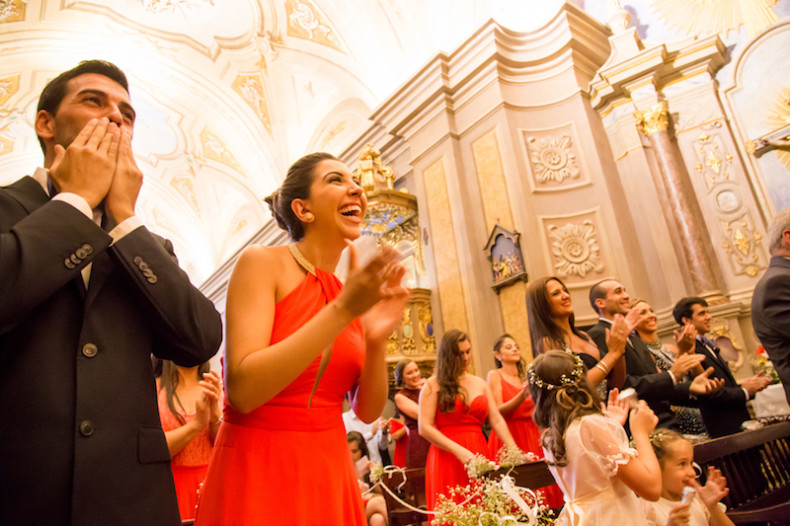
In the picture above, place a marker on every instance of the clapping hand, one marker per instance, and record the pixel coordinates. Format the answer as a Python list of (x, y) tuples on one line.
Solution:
[(618, 336), (702, 384), (686, 338), (615, 408), (714, 490)]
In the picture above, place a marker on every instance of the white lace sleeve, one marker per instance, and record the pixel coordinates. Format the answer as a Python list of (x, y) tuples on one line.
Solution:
[(605, 441)]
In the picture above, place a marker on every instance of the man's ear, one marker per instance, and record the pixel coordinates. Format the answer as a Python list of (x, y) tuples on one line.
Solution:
[(45, 124), (301, 208), (600, 303)]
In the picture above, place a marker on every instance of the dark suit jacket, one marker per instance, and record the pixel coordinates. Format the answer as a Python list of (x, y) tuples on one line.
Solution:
[(723, 411), (771, 316), (654, 387), (81, 441)]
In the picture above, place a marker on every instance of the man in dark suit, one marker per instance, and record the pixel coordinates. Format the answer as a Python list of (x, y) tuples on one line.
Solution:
[(81, 310), (659, 389), (725, 410), (771, 300)]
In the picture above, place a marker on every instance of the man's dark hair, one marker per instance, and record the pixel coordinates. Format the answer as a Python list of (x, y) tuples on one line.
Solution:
[(685, 308), (56, 89), (597, 292)]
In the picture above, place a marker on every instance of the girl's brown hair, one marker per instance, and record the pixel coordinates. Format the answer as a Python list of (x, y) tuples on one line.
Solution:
[(449, 367)]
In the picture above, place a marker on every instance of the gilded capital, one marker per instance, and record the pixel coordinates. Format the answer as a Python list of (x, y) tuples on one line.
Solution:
[(653, 119)]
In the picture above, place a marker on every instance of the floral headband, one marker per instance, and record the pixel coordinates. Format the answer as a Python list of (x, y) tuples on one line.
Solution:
[(565, 379)]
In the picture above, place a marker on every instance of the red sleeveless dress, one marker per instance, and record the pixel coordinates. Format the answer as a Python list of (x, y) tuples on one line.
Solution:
[(526, 434), (463, 425), (285, 462)]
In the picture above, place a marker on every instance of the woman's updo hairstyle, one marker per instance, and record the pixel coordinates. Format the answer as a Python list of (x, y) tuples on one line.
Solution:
[(296, 185), (398, 373)]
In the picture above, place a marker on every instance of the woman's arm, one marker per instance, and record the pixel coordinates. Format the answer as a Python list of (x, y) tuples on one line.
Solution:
[(495, 386), (407, 406), (428, 403), (496, 420), (255, 370)]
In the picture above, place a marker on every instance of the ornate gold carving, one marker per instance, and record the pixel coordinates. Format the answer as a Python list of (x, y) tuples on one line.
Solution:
[(184, 184), (705, 17), (653, 119), (372, 173), (250, 87), (305, 21), (214, 148), (727, 342), (742, 243), (553, 158), (575, 248), (779, 117), (331, 133), (714, 163), (12, 10)]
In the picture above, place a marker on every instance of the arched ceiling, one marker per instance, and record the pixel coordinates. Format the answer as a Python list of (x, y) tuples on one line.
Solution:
[(230, 92)]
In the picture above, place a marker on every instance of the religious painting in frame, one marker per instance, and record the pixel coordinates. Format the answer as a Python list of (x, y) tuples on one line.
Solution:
[(503, 251)]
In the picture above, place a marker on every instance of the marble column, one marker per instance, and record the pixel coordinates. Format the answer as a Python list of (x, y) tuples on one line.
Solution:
[(684, 212)]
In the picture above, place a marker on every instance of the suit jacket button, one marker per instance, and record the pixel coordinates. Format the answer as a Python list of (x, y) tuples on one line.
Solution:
[(81, 253), (152, 279), (89, 350), (137, 260), (69, 264), (87, 428), (74, 259)]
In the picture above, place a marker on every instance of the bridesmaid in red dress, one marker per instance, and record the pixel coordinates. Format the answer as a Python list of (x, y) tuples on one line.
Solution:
[(453, 408), (297, 341), (510, 388), (189, 401)]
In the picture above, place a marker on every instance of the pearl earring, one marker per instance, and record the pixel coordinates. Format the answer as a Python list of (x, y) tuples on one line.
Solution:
[(308, 216)]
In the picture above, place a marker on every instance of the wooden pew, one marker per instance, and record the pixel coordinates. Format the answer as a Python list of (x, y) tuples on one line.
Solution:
[(412, 492), (757, 467)]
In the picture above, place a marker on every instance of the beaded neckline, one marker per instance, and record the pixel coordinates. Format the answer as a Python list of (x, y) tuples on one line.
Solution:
[(301, 259)]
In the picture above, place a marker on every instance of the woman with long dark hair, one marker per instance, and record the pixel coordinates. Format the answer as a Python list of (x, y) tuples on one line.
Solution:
[(552, 327), (189, 408), (454, 405), (297, 341)]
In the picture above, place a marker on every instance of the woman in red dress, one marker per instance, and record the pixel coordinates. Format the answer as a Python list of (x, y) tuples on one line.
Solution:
[(189, 408), (297, 341), (453, 408), (510, 388)]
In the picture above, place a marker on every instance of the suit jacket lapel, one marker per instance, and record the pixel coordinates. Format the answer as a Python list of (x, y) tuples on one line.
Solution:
[(100, 271)]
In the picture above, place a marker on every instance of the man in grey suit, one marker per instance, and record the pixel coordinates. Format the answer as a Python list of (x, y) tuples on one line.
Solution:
[(88, 294), (771, 300)]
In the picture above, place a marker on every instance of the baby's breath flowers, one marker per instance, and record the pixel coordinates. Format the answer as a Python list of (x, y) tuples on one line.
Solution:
[(479, 465), (508, 456)]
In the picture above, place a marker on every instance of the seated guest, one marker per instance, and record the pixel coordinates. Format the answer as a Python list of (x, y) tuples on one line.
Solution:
[(410, 380), (376, 434), (659, 389), (508, 383), (375, 505), (551, 327), (190, 411), (771, 300), (725, 410), (689, 418)]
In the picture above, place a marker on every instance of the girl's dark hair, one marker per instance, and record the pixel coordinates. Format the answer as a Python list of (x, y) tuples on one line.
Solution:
[(167, 372), (521, 365), (296, 185), (356, 436), (449, 366), (398, 373), (556, 408), (542, 327), (661, 440)]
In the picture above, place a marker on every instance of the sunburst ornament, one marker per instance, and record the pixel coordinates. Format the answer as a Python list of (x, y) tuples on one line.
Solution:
[(705, 17)]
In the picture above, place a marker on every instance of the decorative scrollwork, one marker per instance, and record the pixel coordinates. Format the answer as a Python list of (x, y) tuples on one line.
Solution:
[(553, 158), (742, 243), (575, 248)]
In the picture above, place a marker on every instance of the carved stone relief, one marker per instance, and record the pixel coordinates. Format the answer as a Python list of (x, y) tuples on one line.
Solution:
[(553, 159), (250, 87), (575, 247), (215, 149), (305, 21), (12, 10), (713, 161)]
